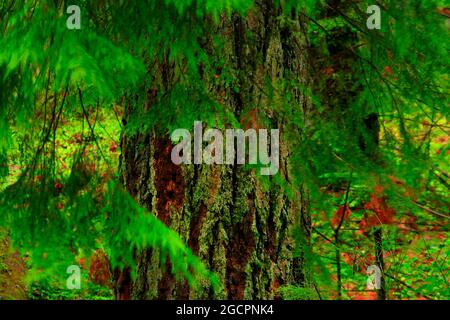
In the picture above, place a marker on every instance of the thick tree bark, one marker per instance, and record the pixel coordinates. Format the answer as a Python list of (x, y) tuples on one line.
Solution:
[(240, 230)]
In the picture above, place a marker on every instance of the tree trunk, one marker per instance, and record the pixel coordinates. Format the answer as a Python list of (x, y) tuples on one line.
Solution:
[(239, 229)]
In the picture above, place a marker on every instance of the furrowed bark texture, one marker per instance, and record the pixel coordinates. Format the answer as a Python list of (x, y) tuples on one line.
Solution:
[(241, 230)]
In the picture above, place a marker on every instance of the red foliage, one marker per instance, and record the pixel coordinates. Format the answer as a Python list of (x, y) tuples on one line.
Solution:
[(443, 139), (380, 212), (99, 270), (250, 120), (388, 70), (383, 213), (363, 295), (77, 138), (360, 261), (388, 73), (113, 147), (82, 263), (348, 258), (445, 12), (328, 71), (341, 213), (58, 188)]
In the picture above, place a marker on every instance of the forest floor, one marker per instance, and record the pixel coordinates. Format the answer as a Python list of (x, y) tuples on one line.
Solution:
[(12, 272)]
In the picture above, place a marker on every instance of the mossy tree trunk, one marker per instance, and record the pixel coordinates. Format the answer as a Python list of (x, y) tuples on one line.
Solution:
[(240, 229)]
